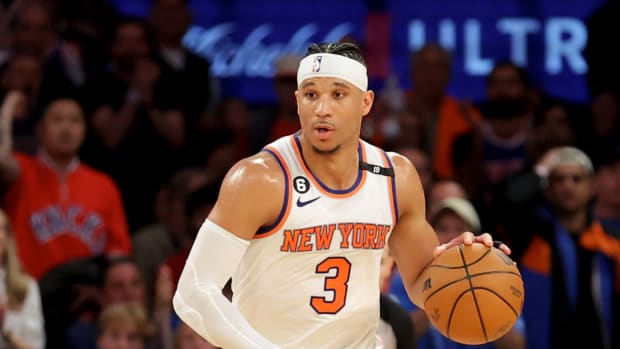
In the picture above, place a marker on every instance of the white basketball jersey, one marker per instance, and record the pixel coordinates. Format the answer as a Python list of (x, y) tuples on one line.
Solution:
[(312, 279)]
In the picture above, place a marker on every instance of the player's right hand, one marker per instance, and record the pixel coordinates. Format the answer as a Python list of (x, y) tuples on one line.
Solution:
[(469, 238)]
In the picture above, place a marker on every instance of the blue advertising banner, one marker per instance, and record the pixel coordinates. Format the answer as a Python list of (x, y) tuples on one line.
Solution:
[(243, 38)]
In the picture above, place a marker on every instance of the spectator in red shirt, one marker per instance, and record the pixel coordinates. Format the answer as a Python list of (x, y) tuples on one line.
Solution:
[(63, 211)]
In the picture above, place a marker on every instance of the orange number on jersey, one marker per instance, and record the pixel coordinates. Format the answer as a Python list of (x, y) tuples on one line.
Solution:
[(337, 284)]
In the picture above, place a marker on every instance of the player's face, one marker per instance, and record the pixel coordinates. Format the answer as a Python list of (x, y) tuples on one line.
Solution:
[(63, 128), (570, 188), (330, 112)]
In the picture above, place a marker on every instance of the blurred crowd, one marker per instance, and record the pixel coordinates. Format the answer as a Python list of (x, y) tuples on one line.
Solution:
[(114, 139)]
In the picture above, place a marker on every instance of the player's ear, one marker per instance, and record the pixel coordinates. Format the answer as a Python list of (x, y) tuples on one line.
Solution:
[(297, 97), (367, 100)]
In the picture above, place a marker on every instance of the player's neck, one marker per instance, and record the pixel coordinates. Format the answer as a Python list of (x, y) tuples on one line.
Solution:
[(338, 170)]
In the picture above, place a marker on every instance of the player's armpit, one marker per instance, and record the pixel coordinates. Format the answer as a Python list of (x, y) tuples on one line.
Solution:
[(199, 301)]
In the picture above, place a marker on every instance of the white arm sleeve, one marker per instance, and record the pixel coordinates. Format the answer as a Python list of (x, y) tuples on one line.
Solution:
[(199, 301)]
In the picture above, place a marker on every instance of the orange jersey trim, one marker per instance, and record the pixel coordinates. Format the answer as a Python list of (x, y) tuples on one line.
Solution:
[(286, 204), (391, 184)]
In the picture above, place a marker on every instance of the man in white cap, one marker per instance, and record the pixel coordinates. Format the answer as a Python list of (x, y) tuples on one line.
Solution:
[(300, 227), (571, 266), (452, 216)]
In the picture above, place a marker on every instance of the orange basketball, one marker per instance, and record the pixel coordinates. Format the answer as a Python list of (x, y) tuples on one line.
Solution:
[(473, 294)]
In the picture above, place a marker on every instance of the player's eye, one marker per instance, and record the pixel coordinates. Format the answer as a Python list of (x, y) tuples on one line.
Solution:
[(310, 95), (339, 94)]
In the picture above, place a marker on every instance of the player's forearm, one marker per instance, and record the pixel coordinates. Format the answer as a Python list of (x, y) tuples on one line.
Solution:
[(416, 288), (210, 314), (199, 301)]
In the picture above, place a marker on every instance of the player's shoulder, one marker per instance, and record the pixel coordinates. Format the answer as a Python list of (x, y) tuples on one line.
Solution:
[(402, 165), (257, 171), (406, 177)]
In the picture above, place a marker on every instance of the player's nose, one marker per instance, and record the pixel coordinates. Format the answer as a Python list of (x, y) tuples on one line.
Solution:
[(323, 108)]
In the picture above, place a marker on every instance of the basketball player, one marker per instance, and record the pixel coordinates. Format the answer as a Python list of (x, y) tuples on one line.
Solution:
[(301, 226)]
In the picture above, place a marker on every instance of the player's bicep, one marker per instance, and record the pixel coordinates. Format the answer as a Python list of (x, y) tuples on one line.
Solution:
[(250, 197), (413, 240)]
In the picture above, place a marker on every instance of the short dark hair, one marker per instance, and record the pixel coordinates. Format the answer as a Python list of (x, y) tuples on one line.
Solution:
[(346, 49)]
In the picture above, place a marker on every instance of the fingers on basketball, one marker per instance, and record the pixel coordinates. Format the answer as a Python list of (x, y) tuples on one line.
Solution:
[(473, 294)]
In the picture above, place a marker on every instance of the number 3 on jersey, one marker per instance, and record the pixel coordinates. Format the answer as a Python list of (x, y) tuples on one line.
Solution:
[(337, 284)]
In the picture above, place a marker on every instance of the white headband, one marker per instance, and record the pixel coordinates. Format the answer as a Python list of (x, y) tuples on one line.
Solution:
[(332, 65)]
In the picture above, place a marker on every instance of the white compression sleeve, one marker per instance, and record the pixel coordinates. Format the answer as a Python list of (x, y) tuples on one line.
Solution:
[(199, 301)]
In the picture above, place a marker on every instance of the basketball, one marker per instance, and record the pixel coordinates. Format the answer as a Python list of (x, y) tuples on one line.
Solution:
[(473, 294)]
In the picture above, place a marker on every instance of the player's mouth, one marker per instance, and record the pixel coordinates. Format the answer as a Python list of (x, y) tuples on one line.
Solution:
[(323, 130)]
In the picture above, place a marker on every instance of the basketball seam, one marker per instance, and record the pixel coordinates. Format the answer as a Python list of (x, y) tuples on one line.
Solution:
[(471, 288), (465, 278), (476, 291), (498, 296), (456, 302)]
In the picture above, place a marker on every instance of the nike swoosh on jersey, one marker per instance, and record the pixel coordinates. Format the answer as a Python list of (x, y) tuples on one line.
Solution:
[(304, 203)]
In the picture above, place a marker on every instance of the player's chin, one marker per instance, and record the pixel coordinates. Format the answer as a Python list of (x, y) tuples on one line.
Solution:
[(324, 148)]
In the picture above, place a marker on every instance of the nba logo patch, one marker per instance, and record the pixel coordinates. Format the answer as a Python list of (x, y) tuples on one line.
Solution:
[(316, 64)]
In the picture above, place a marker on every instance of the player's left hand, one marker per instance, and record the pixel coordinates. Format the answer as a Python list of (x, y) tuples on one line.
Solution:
[(469, 238)]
